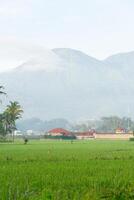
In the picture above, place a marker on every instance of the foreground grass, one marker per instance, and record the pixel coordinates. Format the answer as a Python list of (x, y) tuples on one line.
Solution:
[(59, 170)]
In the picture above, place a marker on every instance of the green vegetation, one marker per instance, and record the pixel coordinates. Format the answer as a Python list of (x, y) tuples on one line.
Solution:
[(60, 137), (104, 124), (131, 139), (60, 170), (8, 118)]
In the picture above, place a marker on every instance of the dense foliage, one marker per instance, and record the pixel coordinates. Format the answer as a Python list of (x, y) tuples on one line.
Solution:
[(106, 124), (9, 116)]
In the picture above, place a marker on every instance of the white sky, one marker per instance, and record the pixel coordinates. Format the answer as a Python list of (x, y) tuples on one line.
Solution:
[(97, 27)]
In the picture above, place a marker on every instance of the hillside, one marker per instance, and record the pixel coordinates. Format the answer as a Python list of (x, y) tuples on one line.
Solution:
[(66, 83)]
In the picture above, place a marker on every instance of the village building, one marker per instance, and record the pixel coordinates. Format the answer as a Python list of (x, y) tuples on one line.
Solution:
[(85, 135), (58, 132), (120, 131), (62, 133)]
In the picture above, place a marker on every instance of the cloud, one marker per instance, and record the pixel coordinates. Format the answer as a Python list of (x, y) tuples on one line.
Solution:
[(14, 8), (72, 19), (8, 12)]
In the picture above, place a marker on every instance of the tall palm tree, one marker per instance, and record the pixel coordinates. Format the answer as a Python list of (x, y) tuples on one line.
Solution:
[(2, 126), (13, 112), (2, 130), (6, 123), (1, 91)]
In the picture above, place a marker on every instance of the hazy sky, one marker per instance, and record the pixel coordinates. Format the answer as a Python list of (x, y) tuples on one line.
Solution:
[(97, 27)]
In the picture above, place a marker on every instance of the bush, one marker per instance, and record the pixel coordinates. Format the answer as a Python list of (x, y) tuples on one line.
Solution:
[(131, 139), (61, 137), (4, 139)]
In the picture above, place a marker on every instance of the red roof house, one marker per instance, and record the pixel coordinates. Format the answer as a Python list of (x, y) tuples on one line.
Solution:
[(58, 131)]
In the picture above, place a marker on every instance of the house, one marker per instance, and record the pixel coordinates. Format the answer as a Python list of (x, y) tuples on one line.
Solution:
[(120, 130), (85, 135), (58, 132), (18, 133), (29, 132)]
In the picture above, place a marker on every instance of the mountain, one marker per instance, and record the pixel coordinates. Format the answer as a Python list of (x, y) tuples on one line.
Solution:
[(123, 64), (39, 125), (66, 83), (121, 60), (76, 57)]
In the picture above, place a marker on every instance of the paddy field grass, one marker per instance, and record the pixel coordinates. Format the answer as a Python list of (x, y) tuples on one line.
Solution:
[(61, 170)]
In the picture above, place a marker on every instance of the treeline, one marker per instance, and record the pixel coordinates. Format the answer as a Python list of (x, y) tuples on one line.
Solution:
[(8, 117), (106, 124), (109, 124), (39, 125)]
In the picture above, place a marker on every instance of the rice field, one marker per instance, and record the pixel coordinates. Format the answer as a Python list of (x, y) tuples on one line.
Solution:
[(61, 170)]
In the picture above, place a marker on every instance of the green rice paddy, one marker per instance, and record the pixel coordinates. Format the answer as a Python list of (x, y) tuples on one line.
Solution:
[(61, 170)]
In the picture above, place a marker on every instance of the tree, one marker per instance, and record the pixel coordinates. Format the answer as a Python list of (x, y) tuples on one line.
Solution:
[(9, 116), (12, 113), (2, 130), (6, 122), (1, 91)]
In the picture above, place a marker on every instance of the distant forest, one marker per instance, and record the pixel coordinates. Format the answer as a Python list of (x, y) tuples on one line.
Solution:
[(105, 124)]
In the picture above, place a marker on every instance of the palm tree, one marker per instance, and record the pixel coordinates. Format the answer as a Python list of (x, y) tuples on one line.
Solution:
[(1, 90), (13, 112), (2, 130), (6, 122), (2, 126)]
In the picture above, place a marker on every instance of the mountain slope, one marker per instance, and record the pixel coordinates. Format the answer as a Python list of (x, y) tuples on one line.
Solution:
[(66, 83), (121, 60), (76, 57)]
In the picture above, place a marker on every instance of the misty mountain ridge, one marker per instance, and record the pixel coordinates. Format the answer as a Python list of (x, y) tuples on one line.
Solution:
[(66, 83)]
